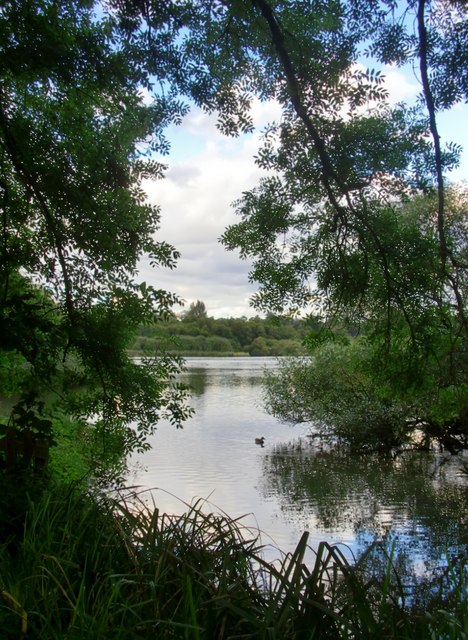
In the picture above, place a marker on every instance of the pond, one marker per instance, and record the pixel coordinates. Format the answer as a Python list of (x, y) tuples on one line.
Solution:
[(417, 502)]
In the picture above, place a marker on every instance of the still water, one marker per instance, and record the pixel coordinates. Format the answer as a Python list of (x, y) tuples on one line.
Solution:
[(418, 502)]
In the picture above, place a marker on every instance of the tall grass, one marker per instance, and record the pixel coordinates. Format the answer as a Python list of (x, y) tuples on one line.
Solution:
[(99, 567)]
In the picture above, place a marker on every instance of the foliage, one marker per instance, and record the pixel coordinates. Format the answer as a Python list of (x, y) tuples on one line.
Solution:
[(353, 196), (76, 138), (355, 219), (353, 216), (335, 390), (203, 335), (197, 311), (371, 399), (408, 370), (97, 567), (342, 160)]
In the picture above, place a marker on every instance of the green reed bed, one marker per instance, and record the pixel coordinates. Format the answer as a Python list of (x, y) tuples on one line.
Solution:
[(86, 567)]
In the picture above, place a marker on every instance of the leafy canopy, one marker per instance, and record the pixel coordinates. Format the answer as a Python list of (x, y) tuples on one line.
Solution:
[(355, 219), (79, 124)]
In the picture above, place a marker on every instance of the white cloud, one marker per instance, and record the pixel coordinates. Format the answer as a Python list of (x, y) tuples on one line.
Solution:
[(401, 84), (195, 200)]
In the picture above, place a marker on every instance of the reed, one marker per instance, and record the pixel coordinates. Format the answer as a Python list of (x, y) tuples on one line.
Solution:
[(89, 566)]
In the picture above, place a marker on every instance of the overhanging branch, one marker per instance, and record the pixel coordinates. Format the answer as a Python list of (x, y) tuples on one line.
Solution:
[(30, 182)]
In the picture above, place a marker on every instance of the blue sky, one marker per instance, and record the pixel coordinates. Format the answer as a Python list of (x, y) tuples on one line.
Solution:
[(207, 172)]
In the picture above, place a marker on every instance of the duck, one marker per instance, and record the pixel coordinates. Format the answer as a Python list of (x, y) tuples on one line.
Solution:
[(260, 441)]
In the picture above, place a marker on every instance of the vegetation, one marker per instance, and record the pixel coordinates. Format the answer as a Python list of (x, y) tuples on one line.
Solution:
[(107, 568), (76, 139), (197, 335), (357, 221), (352, 392), (356, 202), (354, 222)]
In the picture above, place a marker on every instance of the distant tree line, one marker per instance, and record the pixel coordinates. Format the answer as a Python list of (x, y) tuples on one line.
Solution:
[(195, 333)]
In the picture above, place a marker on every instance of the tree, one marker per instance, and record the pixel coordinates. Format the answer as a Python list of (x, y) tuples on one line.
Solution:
[(87, 90), (197, 311), (335, 165), (76, 137), (355, 220)]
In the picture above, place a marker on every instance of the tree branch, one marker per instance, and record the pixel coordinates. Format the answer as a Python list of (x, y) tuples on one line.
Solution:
[(30, 182), (444, 250), (429, 98), (328, 173)]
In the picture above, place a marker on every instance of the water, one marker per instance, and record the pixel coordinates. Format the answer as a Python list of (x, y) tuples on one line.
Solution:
[(418, 502)]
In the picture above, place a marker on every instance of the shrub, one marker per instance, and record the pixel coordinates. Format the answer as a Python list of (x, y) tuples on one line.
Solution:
[(338, 391)]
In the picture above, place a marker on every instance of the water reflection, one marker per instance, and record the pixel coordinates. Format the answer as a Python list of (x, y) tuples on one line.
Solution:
[(197, 380), (416, 503), (229, 373), (366, 491)]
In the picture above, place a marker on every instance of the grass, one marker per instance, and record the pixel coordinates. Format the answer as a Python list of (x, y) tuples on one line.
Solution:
[(74, 566)]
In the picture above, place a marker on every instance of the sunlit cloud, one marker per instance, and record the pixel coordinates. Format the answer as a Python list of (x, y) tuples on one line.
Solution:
[(401, 85), (208, 173)]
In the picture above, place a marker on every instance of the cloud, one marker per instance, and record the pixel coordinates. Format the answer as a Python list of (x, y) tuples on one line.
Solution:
[(207, 172), (402, 85)]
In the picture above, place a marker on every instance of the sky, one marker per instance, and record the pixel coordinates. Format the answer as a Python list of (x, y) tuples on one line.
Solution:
[(206, 173)]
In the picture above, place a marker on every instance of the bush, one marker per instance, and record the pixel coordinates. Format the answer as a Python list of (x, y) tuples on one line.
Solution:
[(338, 391)]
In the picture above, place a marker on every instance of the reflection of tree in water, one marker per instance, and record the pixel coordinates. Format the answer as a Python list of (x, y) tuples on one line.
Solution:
[(414, 502), (424, 571), (196, 379), (199, 379)]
